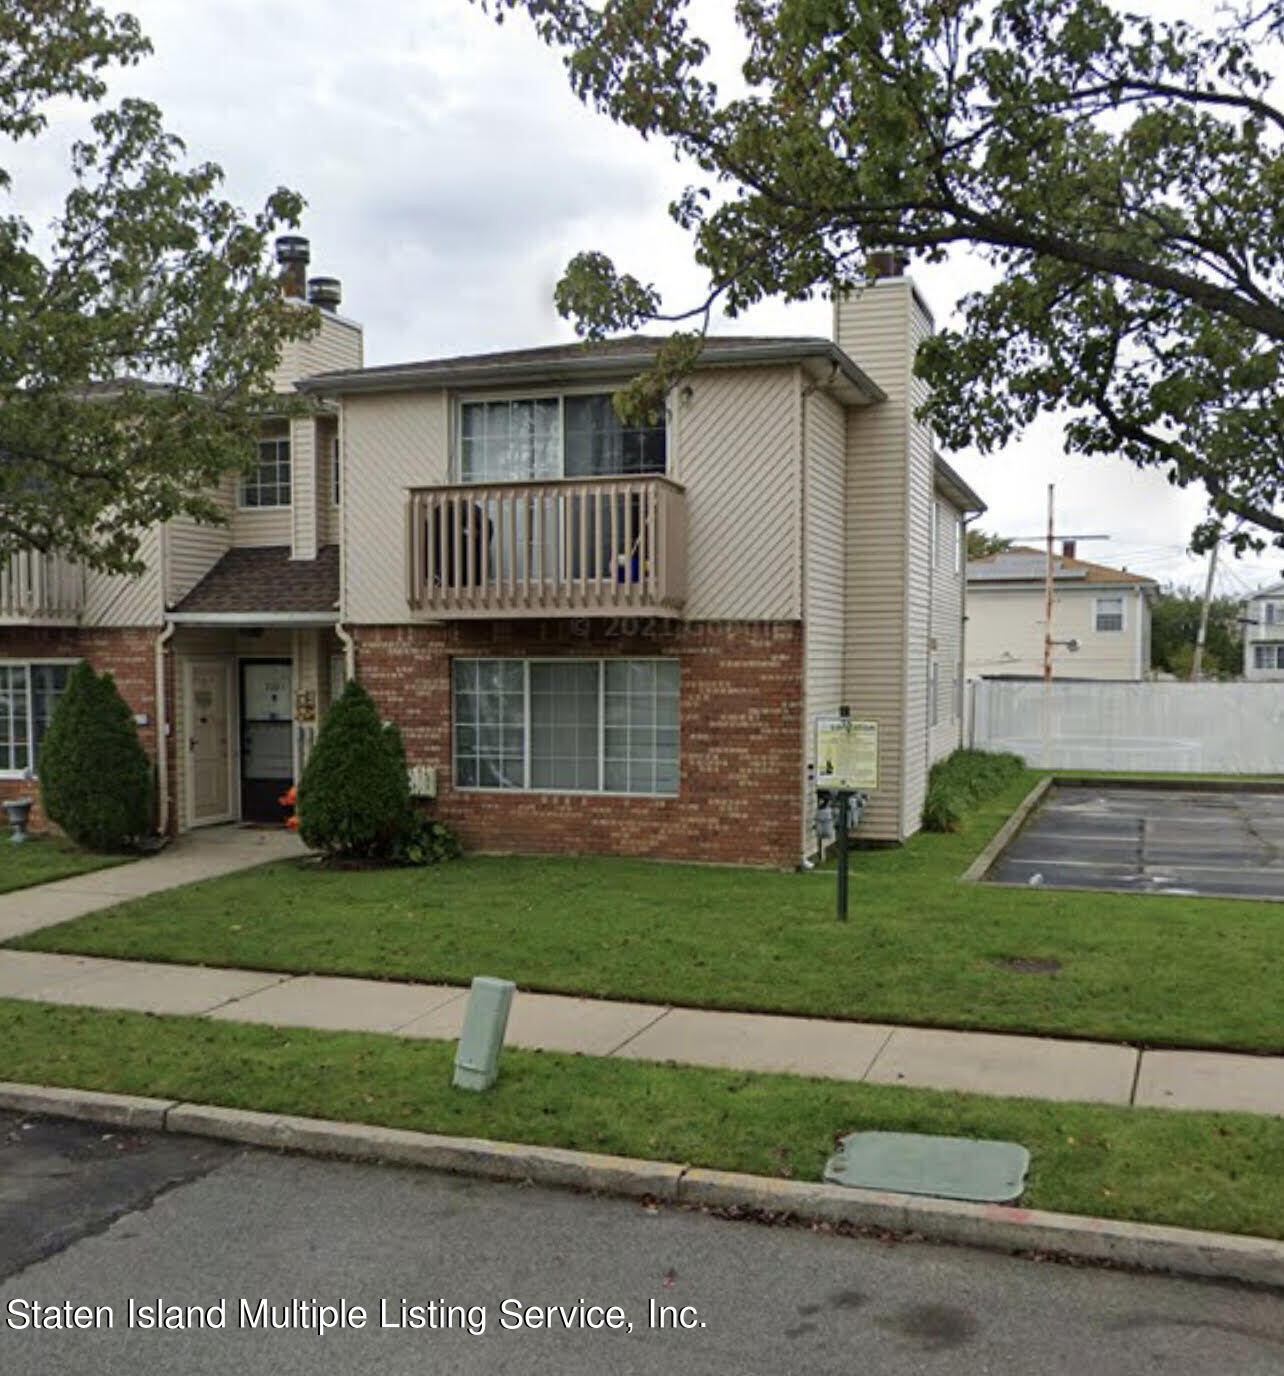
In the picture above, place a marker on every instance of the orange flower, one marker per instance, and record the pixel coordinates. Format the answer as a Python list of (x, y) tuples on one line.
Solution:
[(292, 824), (290, 797)]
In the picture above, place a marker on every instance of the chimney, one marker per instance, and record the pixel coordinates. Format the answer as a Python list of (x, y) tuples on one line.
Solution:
[(1067, 549), (325, 292), (886, 262), (293, 254)]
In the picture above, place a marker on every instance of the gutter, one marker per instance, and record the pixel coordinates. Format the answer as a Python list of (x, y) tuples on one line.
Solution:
[(252, 618)]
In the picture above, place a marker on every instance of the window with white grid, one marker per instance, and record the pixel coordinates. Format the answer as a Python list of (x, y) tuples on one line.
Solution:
[(268, 483), (567, 725), (1110, 614), (641, 726), (28, 695)]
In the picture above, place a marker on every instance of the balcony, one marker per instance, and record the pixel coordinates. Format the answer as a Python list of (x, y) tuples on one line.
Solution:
[(591, 547), (40, 588)]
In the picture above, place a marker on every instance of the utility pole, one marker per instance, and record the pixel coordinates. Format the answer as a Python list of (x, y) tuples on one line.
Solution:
[(1197, 662)]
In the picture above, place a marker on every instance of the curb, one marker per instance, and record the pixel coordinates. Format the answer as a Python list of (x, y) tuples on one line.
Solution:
[(1135, 1246), (980, 867)]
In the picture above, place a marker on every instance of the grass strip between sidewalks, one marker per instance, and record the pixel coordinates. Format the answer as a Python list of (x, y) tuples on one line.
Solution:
[(1216, 1171), (920, 948), (42, 859)]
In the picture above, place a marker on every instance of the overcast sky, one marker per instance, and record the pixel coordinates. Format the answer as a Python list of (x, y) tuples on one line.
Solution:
[(450, 174)]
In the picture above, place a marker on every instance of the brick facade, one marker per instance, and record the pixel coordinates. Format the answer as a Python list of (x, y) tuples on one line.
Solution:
[(128, 654), (740, 737)]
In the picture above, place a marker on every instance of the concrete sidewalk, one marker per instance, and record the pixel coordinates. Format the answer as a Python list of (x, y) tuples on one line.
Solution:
[(203, 854), (980, 1063)]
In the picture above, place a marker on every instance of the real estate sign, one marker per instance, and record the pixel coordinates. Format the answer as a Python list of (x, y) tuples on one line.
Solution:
[(846, 754)]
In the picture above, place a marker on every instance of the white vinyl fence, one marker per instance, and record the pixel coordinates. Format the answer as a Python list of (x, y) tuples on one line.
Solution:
[(1186, 728)]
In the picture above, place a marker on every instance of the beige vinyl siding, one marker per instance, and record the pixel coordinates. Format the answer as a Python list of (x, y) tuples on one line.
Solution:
[(920, 573), (303, 488), (1005, 630), (337, 344), (873, 329), (116, 600), (824, 564), (391, 442), (737, 455), (947, 633), (191, 551)]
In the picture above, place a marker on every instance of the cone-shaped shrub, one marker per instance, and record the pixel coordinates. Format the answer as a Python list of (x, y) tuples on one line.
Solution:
[(95, 777), (354, 798)]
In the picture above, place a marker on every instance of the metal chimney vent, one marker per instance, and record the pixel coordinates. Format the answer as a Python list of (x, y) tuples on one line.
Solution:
[(326, 292)]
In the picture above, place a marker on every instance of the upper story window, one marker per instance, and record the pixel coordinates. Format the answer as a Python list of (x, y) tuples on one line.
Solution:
[(336, 472), (1269, 613), (543, 438), (268, 483), (1110, 614)]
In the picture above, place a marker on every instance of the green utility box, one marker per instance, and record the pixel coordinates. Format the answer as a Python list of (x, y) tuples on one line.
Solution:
[(482, 1038)]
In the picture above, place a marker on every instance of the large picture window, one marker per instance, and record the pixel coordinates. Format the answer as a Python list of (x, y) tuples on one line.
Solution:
[(268, 483), (544, 438), (28, 695), (567, 725)]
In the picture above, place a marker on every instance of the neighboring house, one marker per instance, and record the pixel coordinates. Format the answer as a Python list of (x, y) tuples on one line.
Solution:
[(1263, 624), (1100, 617), (595, 638)]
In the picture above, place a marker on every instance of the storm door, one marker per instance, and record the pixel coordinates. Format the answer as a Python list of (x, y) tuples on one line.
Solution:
[(267, 746)]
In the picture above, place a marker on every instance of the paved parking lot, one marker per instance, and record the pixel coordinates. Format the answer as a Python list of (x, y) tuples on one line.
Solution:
[(1142, 840)]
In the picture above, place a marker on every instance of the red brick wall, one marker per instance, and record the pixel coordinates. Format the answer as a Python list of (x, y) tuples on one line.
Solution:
[(740, 743), (127, 654)]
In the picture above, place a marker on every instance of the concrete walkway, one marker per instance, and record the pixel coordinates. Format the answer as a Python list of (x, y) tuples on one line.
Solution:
[(204, 854), (982, 1063)]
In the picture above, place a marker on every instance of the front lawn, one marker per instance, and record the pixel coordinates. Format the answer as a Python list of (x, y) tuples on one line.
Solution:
[(1221, 1171), (41, 859), (919, 948)]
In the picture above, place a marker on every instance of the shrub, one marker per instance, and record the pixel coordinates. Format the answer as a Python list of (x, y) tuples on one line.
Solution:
[(354, 797), (963, 779), (95, 778), (425, 841)]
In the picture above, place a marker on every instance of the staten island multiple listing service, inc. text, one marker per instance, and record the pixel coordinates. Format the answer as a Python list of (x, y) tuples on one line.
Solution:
[(325, 1316)]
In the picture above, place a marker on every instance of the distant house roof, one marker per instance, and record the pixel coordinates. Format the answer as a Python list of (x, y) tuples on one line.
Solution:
[(1275, 590), (607, 358), (256, 579), (1022, 564)]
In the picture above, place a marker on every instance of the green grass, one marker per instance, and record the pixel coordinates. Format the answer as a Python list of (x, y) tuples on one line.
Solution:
[(919, 949), (1198, 1170), (41, 859)]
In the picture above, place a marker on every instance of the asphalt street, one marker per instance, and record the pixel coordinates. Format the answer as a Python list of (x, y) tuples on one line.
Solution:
[(1143, 840), (412, 1272)]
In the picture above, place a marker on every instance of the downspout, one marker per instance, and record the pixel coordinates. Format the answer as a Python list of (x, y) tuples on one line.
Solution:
[(967, 707), (162, 732), (349, 650)]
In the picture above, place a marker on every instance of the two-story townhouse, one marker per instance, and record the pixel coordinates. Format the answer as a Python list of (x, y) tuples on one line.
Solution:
[(223, 645), (596, 637), (1263, 623), (614, 639), (1100, 617)]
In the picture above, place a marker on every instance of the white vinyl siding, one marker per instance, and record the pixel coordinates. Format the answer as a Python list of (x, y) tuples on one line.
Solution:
[(567, 725)]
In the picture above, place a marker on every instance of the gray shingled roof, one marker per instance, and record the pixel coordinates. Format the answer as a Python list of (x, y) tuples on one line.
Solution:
[(265, 579), (608, 357)]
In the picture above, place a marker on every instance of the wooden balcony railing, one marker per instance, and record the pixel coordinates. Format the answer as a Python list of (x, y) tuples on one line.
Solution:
[(593, 547), (40, 587)]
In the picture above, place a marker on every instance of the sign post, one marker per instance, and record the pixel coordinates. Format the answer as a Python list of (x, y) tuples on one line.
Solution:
[(846, 768)]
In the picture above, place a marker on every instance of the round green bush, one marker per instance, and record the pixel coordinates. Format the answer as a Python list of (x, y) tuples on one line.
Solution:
[(95, 777), (354, 797)]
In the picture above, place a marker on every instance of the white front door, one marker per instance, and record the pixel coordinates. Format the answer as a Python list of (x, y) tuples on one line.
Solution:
[(209, 759)]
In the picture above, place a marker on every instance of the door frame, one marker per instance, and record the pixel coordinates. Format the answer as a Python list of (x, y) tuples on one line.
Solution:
[(228, 667), (262, 657)]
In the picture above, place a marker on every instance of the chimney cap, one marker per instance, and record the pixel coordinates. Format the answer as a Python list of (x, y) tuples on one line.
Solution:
[(326, 292), (292, 248)]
